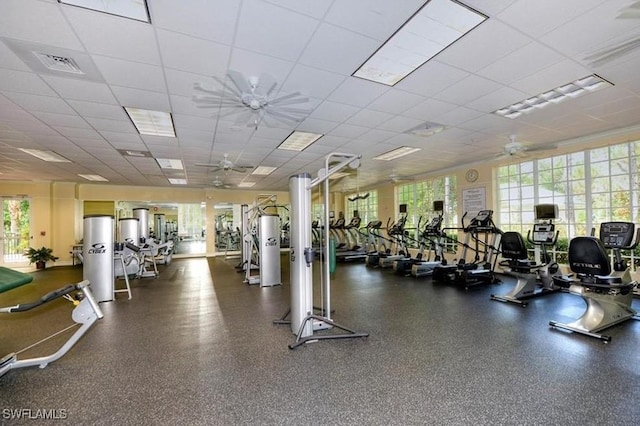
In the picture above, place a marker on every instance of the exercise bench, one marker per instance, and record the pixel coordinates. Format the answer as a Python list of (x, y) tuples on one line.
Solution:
[(86, 313)]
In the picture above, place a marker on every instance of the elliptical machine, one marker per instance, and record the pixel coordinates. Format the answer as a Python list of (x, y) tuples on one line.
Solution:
[(486, 243)]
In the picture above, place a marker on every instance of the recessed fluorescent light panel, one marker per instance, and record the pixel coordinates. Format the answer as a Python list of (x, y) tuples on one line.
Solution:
[(45, 155), (298, 141), (170, 163), (263, 170), (132, 9), (130, 153), (94, 178), (433, 28), (396, 153), (154, 123), (246, 184), (175, 181), (574, 89)]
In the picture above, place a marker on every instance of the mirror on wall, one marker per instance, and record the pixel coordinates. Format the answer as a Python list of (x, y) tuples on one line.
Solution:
[(182, 223), (227, 224)]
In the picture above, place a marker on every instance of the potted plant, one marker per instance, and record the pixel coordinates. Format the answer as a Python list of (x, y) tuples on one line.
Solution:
[(40, 256)]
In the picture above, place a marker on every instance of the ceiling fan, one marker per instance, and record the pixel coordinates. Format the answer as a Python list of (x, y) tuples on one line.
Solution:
[(226, 165), (219, 183), (397, 178), (517, 149), (253, 98)]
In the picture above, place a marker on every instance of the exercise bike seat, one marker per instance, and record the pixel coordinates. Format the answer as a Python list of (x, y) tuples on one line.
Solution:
[(515, 253)]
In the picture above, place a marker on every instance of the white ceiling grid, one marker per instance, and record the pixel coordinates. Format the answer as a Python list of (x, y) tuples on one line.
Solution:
[(312, 47)]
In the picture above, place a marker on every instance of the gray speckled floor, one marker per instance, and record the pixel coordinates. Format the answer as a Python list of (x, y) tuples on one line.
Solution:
[(197, 346)]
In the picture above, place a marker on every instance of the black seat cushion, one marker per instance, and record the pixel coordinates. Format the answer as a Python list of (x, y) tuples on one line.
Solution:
[(513, 246), (587, 256)]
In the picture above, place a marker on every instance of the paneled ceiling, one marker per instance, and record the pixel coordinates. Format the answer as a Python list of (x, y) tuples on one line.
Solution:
[(313, 47)]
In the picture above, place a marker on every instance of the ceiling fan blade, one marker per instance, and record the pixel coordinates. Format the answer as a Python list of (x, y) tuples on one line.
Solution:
[(282, 116), (304, 111), (541, 148), (239, 81), (226, 87), (216, 169), (291, 97)]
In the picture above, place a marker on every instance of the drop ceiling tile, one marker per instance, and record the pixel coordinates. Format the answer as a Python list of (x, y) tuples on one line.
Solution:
[(312, 81), (63, 120), (395, 101), (432, 78), (23, 82), (51, 28), (467, 90), (377, 136), (200, 18), (358, 92), (498, 99), (189, 122), (315, 8), (314, 125), (82, 90), (74, 133), (399, 124), (113, 36), (369, 118), (491, 8), (486, 44), (284, 35), (349, 131), (195, 55), (130, 74), (181, 83), (103, 124), (377, 19), (534, 18), (458, 116), (92, 109), (520, 64), (428, 109), (10, 60), (333, 111), (145, 99), (338, 50), (553, 76), (602, 17), (41, 103), (185, 106), (251, 64)]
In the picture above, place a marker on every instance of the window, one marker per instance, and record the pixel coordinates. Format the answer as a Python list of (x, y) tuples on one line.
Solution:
[(419, 198), (589, 187), (366, 205)]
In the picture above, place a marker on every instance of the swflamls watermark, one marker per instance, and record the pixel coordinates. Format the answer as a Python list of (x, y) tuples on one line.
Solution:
[(34, 413)]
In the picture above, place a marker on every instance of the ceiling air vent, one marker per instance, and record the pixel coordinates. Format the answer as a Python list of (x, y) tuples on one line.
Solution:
[(425, 129), (58, 63)]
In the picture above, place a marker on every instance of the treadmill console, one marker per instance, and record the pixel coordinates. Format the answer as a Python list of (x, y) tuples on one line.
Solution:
[(354, 223), (482, 219), (544, 233), (617, 235), (433, 228)]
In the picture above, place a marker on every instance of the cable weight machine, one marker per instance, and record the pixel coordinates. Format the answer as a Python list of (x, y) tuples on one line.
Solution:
[(304, 323)]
